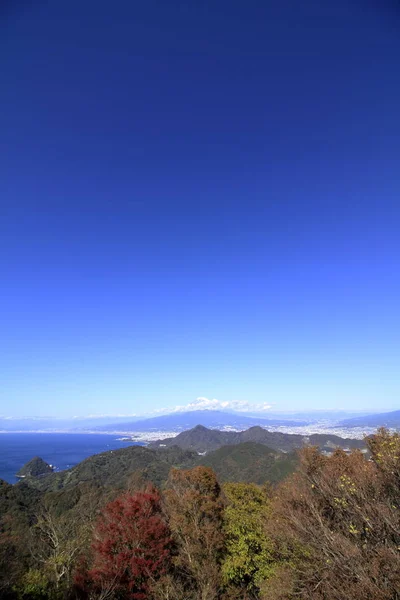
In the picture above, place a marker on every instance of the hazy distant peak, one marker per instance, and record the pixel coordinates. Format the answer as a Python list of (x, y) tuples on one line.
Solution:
[(388, 419)]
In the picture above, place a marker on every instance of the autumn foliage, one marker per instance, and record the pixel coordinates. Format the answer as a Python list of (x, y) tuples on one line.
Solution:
[(194, 504), (131, 548), (337, 524), (329, 532)]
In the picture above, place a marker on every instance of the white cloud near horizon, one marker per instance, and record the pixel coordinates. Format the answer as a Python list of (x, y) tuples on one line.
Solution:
[(200, 403), (203, 403)]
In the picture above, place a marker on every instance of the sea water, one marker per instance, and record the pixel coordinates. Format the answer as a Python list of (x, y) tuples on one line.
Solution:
[(62, 450)]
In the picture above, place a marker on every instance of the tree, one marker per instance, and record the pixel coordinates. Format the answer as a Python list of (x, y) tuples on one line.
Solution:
[(385, 453), (248, 560), (131, 548), (56, 544), (10, 567), (194, 506), (337, 523)]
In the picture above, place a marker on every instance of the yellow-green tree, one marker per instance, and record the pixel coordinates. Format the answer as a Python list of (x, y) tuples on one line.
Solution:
[(248, 560)]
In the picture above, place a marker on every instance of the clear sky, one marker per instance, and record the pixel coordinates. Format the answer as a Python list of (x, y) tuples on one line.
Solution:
[(199, 198)]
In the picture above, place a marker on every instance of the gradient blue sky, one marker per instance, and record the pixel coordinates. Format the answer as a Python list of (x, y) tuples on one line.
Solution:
[(199, 199)]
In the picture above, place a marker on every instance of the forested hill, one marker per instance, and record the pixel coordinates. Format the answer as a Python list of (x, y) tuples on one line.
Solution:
[(127, 467), (253, 456), (220, 532), (80, 491), (251, 463), (119, 468), (35, 468), (202, 439)]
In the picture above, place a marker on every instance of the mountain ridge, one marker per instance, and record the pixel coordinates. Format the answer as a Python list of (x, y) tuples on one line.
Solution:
[(387, 419), (123, 468), (202, 439), (209, 418)]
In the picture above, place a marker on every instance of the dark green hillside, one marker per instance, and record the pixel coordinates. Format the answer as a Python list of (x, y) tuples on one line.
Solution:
[(83, 489), (21, 498), (199, 439), (116, 468), (36, 467), (18, 505), (87, 486), (283, 442), (330, 442), (96, 480), (249, 462), (202, 439)]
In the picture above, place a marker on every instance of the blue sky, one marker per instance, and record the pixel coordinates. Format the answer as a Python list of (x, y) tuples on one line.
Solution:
[(199, 199)]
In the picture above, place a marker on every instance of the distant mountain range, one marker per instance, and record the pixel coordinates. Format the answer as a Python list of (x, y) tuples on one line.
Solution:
[(315, 416), (76, 425), (202, 439), (180, 421), (209, 418), (389, 419)]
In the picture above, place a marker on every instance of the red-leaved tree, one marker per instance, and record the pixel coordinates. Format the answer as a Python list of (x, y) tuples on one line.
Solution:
[(131, 548)]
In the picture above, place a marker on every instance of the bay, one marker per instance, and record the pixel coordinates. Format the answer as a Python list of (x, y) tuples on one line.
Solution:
[(62, 450)]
